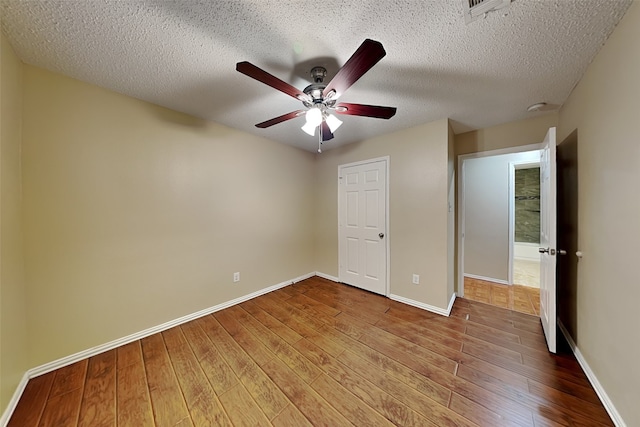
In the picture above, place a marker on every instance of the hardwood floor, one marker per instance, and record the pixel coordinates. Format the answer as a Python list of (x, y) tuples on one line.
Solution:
[(523, 299), (321, 353)]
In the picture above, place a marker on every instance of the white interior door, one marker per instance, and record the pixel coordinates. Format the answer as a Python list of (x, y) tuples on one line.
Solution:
[(362, 218), (548, 238)]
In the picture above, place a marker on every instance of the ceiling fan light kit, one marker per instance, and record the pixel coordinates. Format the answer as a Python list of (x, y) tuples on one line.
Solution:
[(321, 99)]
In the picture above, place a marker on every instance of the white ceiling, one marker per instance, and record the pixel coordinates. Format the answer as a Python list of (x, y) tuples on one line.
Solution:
[(182, 55)]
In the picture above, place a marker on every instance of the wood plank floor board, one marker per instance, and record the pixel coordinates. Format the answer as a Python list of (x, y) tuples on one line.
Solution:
[(486, 350), (591, 410), (204, 407), (390, 366), (98, 408), (476, 413), (516, 413), (437, 338), (537, 373), (132, 392), (128, 354), (169, 407), (306, 399), (218, 372), (556, 363), (475, 334), (33, 400), (560, 408), (430, 409), (431, 353), (291, 417), (250, 344), (352, 408), (323, 353), (282, 294), (492, 335), (416, 380), (274, 325), (312, 307), (283, 350), (242, 409), (69, 378), (293, 310), (299, 325), (388, 406), (266, 394), (355, 310), (348, 325), (62, 410)]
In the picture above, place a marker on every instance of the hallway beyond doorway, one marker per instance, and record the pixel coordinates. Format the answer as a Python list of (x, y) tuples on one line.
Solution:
[(523, 299)]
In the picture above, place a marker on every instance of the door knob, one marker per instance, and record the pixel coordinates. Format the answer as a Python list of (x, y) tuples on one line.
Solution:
[(562, 252), (543, 250), (381, 235)]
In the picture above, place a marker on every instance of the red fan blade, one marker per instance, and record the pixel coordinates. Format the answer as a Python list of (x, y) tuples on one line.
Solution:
[(280, 119), (259, 74), (375, 111), (367, 55), (326, 132)]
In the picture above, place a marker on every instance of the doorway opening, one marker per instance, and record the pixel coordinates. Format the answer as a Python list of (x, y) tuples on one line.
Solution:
[(498, 218)]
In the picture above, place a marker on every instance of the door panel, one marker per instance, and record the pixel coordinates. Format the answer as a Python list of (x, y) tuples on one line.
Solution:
[(568, 233), (361, 226), (548, 214)]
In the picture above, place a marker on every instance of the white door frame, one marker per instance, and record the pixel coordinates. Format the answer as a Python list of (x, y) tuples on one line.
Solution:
[(512, 207), (461, 220), (386, 160)]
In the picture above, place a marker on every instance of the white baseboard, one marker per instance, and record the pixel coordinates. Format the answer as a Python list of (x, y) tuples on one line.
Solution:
[(4, 419), (488, 279), (328, 277), (451, 301), (296, 280), (428, 307), (602, 394), (68, 360), (432, 308)]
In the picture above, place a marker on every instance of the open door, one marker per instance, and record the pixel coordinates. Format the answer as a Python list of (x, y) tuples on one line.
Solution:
[(548, 238)]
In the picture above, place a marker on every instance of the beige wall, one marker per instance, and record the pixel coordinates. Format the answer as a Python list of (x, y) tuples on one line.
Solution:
[(13, 320), (605, 110), (417, 232), (514, 134), (136, 215)]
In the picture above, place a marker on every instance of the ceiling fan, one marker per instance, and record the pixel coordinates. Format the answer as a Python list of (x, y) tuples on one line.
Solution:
[(320, 99)]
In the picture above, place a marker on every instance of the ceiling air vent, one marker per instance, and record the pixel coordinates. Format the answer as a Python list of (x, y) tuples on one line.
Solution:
[(474, 9)]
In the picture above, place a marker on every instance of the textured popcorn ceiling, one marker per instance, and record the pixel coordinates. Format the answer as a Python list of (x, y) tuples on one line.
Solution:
[(182, 55)]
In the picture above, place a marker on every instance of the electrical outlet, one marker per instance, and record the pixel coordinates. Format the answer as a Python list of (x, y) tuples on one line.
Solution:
[(236, 276), (416, 279)]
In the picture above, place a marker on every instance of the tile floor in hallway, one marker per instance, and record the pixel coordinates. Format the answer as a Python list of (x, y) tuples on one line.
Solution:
[(523, 299), (526, 272)]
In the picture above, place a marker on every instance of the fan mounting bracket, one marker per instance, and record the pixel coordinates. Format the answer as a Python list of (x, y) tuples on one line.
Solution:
[(318, 74)]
